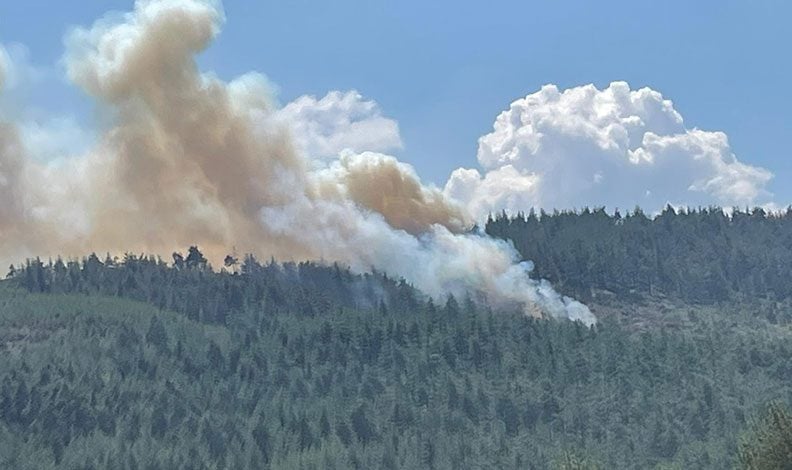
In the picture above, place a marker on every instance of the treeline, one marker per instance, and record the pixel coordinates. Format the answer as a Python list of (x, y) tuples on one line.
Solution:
[(698, 255), (189, 285), (308, 369)]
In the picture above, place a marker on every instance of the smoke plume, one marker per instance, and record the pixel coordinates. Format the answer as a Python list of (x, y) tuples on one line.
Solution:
[(186, 158)]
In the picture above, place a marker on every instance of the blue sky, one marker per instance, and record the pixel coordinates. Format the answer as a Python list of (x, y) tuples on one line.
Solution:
[(444, 70)]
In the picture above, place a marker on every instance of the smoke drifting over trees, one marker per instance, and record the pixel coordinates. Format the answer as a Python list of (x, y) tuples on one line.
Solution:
[(187, 158)]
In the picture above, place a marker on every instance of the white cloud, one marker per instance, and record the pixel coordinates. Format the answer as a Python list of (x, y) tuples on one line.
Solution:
[(614, 147), (322, 128)]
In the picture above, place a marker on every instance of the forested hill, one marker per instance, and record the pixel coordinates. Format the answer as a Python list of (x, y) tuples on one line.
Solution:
[(191, 286), (141, 364), (700, 255)]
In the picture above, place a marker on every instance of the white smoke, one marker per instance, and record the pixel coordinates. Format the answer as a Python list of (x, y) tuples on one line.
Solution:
[(323, 128), (614, 147), (187, 158)]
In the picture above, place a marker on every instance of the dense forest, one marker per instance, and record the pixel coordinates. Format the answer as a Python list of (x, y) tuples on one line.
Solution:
[(698, 255), (142, 364)]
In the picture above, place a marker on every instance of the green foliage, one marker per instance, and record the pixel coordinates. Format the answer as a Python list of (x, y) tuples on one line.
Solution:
[(136, 364), (701, 256), (768, 445), (572, 461)]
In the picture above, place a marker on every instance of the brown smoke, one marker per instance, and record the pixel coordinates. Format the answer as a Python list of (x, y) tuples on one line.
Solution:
[(189, 159), (11, 174), (382, 184), (182, 162)]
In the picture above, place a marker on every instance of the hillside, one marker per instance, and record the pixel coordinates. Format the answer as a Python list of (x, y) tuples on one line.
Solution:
[(140, 364), (697, 255)]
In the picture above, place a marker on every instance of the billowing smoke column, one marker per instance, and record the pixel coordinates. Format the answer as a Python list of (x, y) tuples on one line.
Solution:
[(187, 158)]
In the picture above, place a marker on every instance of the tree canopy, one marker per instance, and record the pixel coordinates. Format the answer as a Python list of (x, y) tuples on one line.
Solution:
[(699, 255), (137, 363)]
